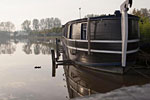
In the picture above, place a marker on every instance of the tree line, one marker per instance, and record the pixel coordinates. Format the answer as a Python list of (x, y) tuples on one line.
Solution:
[(42, 26), (7, 26)]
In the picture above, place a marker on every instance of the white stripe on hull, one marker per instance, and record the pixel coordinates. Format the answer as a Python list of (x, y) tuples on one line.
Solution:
[(103, 41), (102, 51)]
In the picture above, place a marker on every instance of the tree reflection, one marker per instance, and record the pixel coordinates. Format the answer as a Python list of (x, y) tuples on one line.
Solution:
[(27, 48), (38, 47), (7, 48), (30, 46)]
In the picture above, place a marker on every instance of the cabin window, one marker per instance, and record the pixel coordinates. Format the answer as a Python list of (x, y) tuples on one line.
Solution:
[(69, 35), (83, 31), (66, 30), (70, 32), (76, 31)]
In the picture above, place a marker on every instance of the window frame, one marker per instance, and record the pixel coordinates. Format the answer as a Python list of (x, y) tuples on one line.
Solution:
[(83, 31)]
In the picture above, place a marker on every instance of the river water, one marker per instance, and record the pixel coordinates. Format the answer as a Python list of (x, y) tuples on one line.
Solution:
[(20, 80)]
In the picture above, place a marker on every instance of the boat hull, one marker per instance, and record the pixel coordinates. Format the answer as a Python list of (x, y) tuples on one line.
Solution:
[(104, 48)]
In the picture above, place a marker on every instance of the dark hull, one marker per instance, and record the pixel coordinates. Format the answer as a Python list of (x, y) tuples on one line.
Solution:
[(103, 57), (105, 43)]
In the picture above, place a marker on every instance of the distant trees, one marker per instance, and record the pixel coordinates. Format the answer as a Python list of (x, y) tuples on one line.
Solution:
[(26, 25), (35, 24), (57, 22), (42, 26), (7, 26), (49, 23), (143, 12), (144, 22)]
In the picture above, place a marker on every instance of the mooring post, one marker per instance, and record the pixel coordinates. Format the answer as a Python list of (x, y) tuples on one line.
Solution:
[(57, 50), (53, 63)]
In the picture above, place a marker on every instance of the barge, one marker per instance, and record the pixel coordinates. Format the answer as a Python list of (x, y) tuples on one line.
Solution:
[(107, 43)]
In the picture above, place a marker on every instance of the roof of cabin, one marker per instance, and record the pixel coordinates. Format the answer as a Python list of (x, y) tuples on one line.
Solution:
[(116, 15)]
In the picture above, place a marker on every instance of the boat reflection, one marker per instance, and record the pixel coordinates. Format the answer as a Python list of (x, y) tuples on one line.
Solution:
[(82, 81)]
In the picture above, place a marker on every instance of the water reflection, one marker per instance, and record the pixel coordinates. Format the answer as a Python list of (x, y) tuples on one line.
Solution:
[(30, 46), (7, 48), (19, 80), (82, 81), (38, 48)]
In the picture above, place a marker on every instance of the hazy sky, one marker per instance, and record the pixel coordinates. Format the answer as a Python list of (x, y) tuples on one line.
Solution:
[(17, 11)]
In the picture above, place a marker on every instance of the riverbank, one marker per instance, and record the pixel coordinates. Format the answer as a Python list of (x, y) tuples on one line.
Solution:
[(125, 93)]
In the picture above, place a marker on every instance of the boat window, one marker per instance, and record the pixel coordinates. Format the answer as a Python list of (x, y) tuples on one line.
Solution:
[(70, 32), (66, 30), (63, 30), (83, 31)]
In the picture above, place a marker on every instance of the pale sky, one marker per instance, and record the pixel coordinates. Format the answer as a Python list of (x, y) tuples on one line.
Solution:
[(17, 11)]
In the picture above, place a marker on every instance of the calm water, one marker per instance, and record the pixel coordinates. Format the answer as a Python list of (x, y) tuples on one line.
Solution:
[(19, 80), (84, 82)]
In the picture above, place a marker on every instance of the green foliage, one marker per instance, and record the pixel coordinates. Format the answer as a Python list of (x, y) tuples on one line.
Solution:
[(144, 25), (144, 22)]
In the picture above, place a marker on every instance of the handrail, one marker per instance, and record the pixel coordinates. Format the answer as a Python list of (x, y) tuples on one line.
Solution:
[(89, 35)]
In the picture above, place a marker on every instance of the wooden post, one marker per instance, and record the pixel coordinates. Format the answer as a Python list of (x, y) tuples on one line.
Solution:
[(57, 50), (89, 36), (53, 63)]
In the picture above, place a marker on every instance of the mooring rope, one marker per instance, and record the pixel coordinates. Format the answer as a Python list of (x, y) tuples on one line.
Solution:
[(144, 75)]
